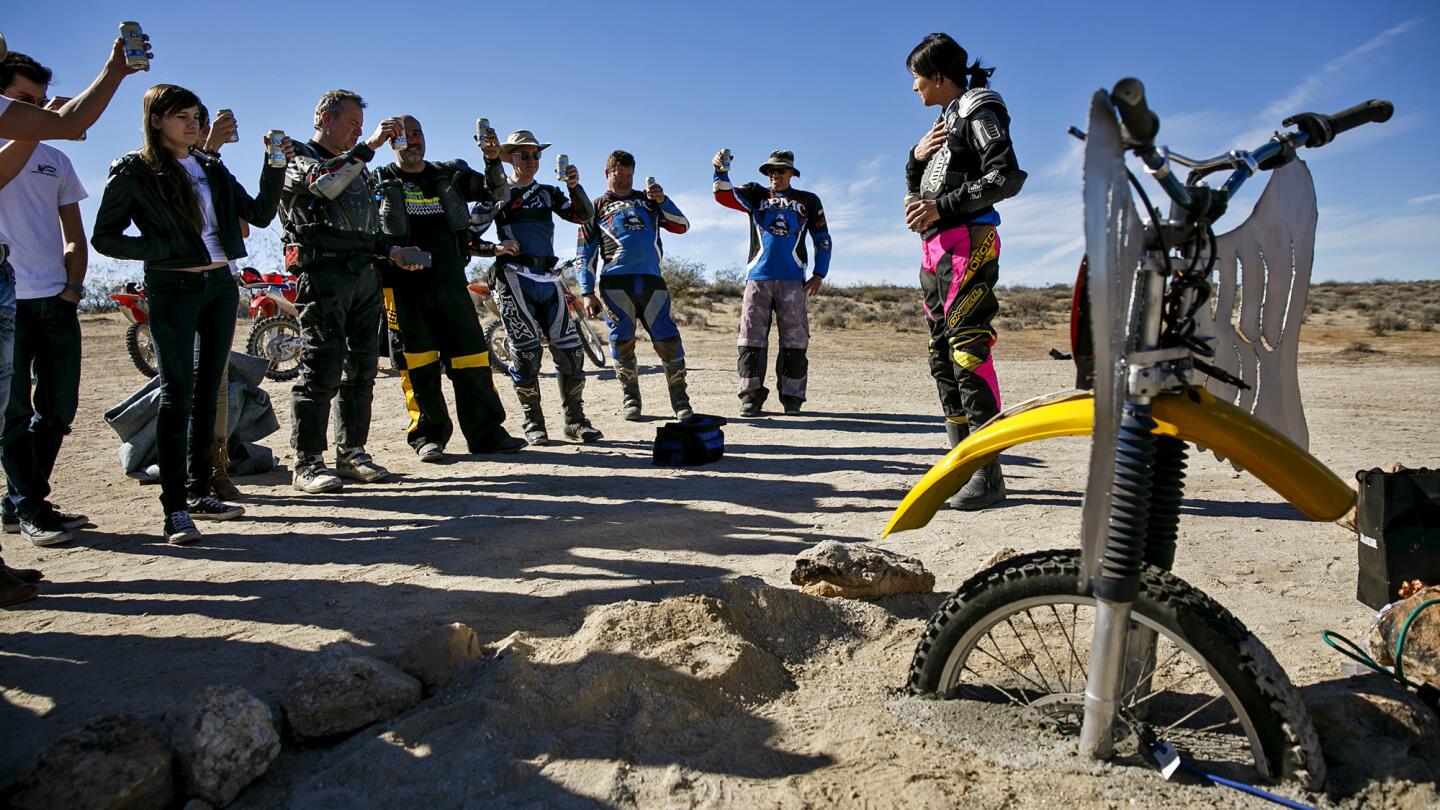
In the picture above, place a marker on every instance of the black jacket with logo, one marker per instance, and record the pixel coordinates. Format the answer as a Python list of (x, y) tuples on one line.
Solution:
[(168, 238)]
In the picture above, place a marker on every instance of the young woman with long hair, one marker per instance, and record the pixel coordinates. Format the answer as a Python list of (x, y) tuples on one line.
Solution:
[(188, 209), (955, 175)]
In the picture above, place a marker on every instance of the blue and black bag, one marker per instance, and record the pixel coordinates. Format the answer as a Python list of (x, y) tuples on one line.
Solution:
[(691, 442)]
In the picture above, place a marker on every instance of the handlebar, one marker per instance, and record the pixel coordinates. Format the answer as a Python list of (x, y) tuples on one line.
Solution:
[(1312, 130)]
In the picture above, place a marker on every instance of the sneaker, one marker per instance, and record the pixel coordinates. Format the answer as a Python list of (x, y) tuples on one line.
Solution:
[(431, 453), (684, 413), (180, 529), (631, 412), (357, 465), (310, 475), (537, 436), (212, 508), (791, 405), (69, 522), (750, 406), (13, 591), (43, 531), (584, 432)]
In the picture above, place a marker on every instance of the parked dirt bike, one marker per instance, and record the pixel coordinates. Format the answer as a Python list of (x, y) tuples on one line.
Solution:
[(502, 351), (138, 344), (1105, 642), (275, 334)]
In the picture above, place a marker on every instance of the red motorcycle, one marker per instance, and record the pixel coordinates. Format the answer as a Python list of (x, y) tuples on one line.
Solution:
[(275, 334)]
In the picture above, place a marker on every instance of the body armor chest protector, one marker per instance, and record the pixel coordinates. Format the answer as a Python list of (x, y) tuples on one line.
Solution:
[(951, 165)]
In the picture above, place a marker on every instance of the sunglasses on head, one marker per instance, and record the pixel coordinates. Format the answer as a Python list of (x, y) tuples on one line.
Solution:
[(526, 155)]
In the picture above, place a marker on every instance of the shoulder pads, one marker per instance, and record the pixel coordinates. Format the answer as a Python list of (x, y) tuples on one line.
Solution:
[(974, 99)]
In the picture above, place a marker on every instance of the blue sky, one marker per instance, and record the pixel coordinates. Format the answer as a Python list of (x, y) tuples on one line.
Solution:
[(672, 82)]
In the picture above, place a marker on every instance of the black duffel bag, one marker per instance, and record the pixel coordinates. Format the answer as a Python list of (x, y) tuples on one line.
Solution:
[(1398, 520), (691, 442)]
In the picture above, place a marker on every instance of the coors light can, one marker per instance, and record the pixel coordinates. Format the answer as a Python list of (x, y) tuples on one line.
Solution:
[(562, 166), (135, 53), (234, 136), (481, 126), (274, 148), (725, 158)]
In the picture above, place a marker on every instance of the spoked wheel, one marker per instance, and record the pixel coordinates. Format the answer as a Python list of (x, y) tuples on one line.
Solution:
[(1019, 633), (502, 351), (141, 348), (277, 339), (590, 342)]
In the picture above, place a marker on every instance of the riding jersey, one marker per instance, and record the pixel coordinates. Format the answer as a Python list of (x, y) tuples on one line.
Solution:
[(779, 221), (623, 236), (975, 168), (527, 216)]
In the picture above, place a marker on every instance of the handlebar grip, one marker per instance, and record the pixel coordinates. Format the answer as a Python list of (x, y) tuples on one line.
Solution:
[(1374, 111), (1140, 123)]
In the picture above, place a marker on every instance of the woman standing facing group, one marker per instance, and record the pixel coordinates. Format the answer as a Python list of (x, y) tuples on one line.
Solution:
[(190, 212), (955, 175)]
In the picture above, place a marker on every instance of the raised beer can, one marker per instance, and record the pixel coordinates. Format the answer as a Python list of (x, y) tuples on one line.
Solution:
[(234, 136), (481, 125), (562, 166), (649, 181), (725, 158), (135, 54), (274, 148)]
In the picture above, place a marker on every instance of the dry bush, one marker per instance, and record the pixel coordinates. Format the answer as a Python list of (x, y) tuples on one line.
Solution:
[(834, 320), (1358, 348), (1429, 317), (1382, 323)]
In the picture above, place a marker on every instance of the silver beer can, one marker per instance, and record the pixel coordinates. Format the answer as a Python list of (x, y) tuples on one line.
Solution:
[(234, 136), (649, 181), (481, 126), (135, 52), (562, 166), (274, 148), (400, 142), (725, 158)]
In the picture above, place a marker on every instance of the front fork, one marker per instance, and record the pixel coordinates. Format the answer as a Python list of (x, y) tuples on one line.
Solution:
[(1144, 519)]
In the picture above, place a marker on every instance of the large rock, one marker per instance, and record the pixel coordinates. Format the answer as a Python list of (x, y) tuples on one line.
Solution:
[(858, 571), (1422, 641), (110, 762), (223, 739), (341, 694), (433, 658), (1372, 730)]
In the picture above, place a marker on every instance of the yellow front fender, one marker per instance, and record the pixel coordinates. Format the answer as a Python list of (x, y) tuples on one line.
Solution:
[(1195, 416)]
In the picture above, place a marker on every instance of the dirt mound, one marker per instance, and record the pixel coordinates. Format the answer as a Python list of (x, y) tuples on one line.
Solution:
[(679, 684)]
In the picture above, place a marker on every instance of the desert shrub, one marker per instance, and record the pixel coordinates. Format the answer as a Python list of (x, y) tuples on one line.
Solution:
[(1357, 348), (728, 281), (834, 320), (97, 295), (1382, 323), (1010, 324), (683, 277), (1429, 317)]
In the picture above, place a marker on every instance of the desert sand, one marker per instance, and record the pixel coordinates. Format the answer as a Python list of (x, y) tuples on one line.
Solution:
[(570, 547)]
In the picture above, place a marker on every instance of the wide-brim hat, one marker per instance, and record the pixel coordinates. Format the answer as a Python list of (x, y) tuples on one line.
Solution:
[(519, 138), (780, 159)]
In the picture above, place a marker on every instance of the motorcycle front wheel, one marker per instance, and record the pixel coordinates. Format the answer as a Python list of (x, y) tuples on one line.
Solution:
[(277, 339), (141, 348), (1019, 633)]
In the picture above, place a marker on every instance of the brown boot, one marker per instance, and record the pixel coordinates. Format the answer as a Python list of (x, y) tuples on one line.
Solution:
[(220, 484), (13, 591)]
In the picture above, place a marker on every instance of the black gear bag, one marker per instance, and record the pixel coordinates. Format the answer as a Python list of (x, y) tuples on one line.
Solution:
[(691, 442), (1398, 520)]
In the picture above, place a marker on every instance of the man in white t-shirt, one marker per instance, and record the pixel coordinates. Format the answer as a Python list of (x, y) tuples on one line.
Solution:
[(40, 216)]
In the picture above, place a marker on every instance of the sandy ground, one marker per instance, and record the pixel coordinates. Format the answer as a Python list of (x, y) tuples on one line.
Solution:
[(533, 542)]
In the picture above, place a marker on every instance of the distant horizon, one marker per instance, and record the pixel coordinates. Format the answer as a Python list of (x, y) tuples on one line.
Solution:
[(839, 98)]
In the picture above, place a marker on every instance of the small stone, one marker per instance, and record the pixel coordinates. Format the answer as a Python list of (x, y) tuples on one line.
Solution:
[(341, 694), (858, 571), (1422, 641), (110, 762), (224, 739), (433, 658), (1000, 556)]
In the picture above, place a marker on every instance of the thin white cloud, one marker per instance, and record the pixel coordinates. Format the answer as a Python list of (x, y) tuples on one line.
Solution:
[(1426, 198)]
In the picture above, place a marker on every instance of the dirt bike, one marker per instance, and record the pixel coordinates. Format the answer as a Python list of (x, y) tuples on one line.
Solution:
[(138, 344), (1105, 642), (502, 350), (275, 334)]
